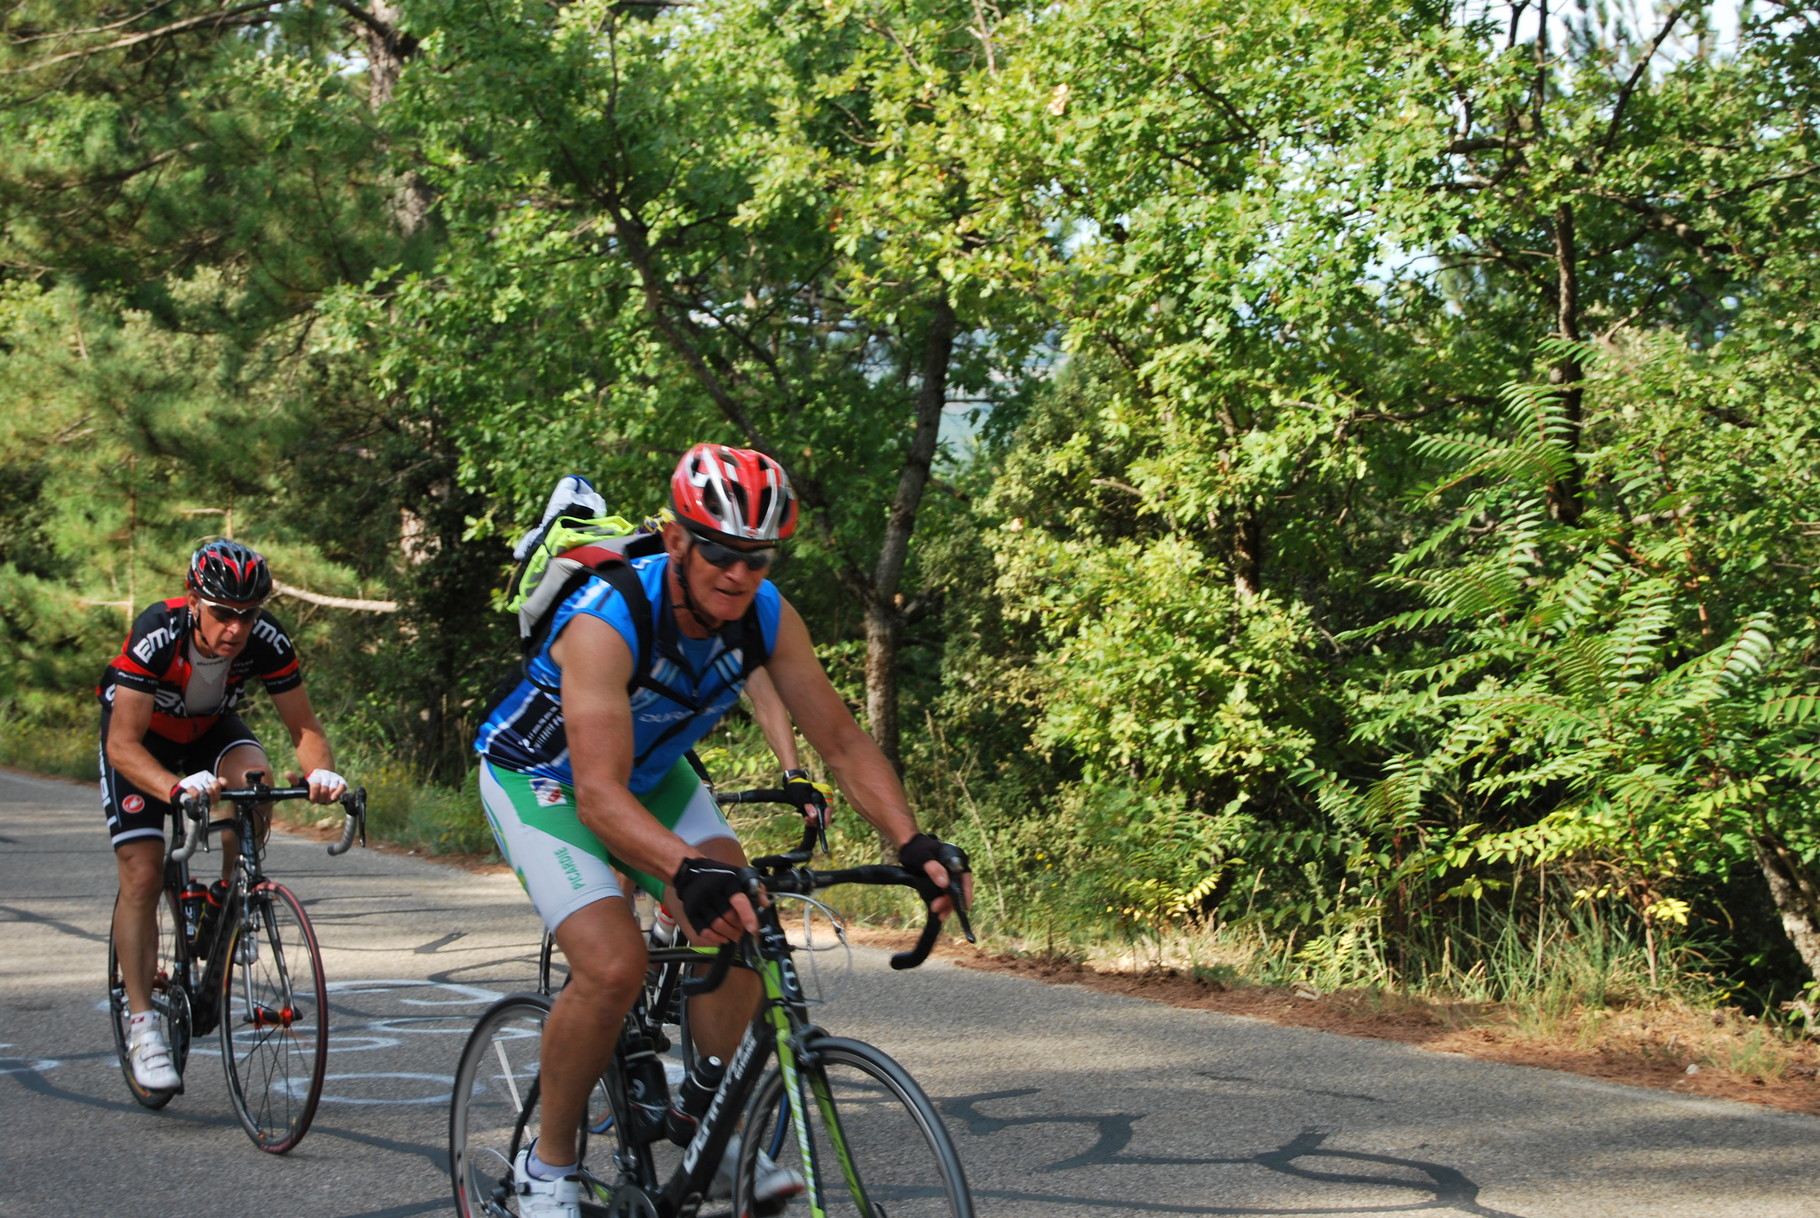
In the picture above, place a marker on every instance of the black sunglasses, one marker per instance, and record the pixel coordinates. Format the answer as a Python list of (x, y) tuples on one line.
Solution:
[(725, 556), (223, 613)]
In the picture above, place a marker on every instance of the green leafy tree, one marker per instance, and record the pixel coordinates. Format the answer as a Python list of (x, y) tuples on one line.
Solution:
[(736, 223), (1628, 697), (1309, 241)]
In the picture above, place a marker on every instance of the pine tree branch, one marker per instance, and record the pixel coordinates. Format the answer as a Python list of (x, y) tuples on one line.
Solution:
[(97, 29), (232, 17), (335, 602)]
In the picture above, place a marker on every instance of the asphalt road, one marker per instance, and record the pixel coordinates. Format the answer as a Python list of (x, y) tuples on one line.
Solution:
[(1064, 1103)]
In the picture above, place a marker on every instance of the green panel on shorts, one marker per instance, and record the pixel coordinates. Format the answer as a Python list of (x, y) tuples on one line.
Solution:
[(559, 820), (666, 801)]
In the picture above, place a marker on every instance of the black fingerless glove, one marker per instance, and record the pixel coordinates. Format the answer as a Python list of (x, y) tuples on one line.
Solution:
[(706, 889), (921, 849), (808, 798)]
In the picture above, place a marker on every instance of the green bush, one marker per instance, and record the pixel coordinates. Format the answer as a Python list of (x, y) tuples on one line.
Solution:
[(422, 816), (56, 744)]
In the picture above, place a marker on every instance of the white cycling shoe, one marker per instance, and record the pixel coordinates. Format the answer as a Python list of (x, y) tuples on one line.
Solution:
[(544, 1198), (150, 1054), (773, 1187)]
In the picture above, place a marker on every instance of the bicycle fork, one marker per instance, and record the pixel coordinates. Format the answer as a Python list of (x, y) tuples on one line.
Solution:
[(254, 924), (805, 1093)]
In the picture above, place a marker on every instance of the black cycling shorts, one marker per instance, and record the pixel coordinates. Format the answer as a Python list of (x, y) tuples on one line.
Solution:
[(132, 813)]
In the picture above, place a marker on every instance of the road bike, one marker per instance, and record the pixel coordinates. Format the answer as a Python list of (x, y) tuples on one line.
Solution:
[(249, 970), (864, 1138)]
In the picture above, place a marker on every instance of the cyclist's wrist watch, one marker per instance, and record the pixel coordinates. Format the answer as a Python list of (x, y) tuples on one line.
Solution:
[(798, 775)]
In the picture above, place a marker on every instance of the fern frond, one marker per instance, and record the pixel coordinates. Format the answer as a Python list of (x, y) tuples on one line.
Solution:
[(1790, 710), (1637, 638), (1750, 653), (1584, 663), (1579, 590)]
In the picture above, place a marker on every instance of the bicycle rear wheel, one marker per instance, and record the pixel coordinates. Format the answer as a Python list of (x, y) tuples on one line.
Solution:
[(274, 1011), (875, 1143), (170, 1000)]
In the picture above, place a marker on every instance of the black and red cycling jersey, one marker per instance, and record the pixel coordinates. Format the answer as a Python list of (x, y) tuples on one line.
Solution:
[(156, 660)]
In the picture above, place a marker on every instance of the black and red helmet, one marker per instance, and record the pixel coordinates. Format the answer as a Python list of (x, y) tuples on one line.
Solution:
[(732, 494), (229, 572)]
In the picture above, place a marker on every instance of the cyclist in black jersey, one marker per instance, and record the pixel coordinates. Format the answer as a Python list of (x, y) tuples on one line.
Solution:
[(168, 730)]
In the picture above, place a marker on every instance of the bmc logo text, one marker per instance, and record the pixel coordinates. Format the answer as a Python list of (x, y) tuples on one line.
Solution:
[(148, 646)]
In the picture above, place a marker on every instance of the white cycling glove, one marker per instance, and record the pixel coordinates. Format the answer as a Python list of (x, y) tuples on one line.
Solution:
[(574, 496), (336, 784), (198, 785)]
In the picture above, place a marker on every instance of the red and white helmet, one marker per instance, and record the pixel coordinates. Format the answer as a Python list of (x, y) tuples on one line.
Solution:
[(733, 493)]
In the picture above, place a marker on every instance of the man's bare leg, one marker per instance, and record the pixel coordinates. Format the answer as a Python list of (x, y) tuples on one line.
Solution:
[(606, 956)]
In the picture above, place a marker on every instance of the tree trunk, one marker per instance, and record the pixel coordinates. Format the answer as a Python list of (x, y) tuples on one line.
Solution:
[(388, 46), (1564, 495), (1248, 554), (885, 615), (1796, 894), (879, 590)]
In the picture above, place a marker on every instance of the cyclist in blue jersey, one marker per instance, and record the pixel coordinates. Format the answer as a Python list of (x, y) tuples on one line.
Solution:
[(583, 776)]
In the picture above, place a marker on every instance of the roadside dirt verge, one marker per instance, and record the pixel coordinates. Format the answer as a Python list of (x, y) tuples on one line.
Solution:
[(1721, 1054)]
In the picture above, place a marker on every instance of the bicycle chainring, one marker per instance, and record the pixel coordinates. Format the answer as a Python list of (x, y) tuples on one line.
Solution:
[(177, 1003), (627, 1201)]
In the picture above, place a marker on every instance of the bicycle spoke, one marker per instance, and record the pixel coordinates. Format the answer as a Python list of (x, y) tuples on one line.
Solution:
[(493, 1113)]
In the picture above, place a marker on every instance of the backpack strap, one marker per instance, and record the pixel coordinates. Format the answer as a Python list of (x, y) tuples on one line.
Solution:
[(613, 568), (631, 589), (623, 580), (752, 647)]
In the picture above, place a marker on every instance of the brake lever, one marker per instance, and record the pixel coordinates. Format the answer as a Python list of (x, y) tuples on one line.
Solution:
[(955, 861)]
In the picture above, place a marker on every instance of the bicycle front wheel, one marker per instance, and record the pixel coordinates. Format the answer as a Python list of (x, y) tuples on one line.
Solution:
[(493, 1110), (170, 1000), (872, 1145), (274, 1019)]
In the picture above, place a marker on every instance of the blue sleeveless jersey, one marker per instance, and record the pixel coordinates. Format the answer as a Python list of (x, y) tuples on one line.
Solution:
[(525, 731)]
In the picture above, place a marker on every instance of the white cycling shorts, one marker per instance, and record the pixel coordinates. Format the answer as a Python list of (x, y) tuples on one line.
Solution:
[(560, 862)]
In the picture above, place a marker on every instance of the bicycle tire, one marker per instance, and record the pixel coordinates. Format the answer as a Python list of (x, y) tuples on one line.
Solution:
[(170, 1000), (877, 1145), (274, 1030)]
